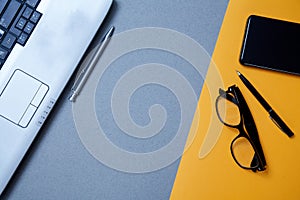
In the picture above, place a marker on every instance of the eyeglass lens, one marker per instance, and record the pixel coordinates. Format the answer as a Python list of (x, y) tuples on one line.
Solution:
[(228, 111), (243, 152)]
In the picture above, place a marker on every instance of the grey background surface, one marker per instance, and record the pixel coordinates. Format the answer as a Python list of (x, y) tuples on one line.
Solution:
[(59, 167)]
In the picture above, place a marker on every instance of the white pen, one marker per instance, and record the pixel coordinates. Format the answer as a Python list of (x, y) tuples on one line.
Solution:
[(84, 74)]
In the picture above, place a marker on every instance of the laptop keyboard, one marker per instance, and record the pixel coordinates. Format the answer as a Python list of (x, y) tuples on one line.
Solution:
[(18, 18)]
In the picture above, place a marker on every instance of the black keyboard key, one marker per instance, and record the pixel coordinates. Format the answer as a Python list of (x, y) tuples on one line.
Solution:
[(3, 53), (35, 17), (29, 27), (21, 23), (23, 39), (2, 5), (9, 41), (9, 13), (27, 12), (15, 31), (32, 3)]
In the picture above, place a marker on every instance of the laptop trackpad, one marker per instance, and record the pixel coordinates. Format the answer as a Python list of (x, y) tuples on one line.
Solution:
[(21, 97)]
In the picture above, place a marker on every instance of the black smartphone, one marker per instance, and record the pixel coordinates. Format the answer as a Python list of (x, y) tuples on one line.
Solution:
[(271, 44)]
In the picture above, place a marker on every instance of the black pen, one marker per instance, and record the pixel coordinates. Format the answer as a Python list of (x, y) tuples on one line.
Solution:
[(273, 115)]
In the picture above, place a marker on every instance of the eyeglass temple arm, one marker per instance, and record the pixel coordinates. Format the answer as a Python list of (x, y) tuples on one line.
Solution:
[(250, 126)]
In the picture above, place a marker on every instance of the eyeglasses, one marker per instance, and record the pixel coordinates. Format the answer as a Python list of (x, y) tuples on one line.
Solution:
[(234, 112)]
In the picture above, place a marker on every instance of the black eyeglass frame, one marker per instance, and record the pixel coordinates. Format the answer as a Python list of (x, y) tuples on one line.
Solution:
[(234, 95)]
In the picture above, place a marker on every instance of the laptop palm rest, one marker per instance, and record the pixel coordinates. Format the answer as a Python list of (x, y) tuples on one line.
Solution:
[(26, 94)]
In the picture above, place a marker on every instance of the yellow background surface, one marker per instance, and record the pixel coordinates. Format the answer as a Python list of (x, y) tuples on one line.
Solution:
[(211, 173)]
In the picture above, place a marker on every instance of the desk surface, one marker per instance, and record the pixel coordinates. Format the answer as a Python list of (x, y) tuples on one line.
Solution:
[(216, 176), (59, 167)]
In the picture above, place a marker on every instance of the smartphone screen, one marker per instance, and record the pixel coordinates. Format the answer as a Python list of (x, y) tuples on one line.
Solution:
[(271, 44)]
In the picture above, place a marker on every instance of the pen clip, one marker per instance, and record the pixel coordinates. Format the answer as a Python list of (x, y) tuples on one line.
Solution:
[(273, 120)]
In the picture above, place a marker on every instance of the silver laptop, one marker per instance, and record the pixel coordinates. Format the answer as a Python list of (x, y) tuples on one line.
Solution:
[(41, 43)]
